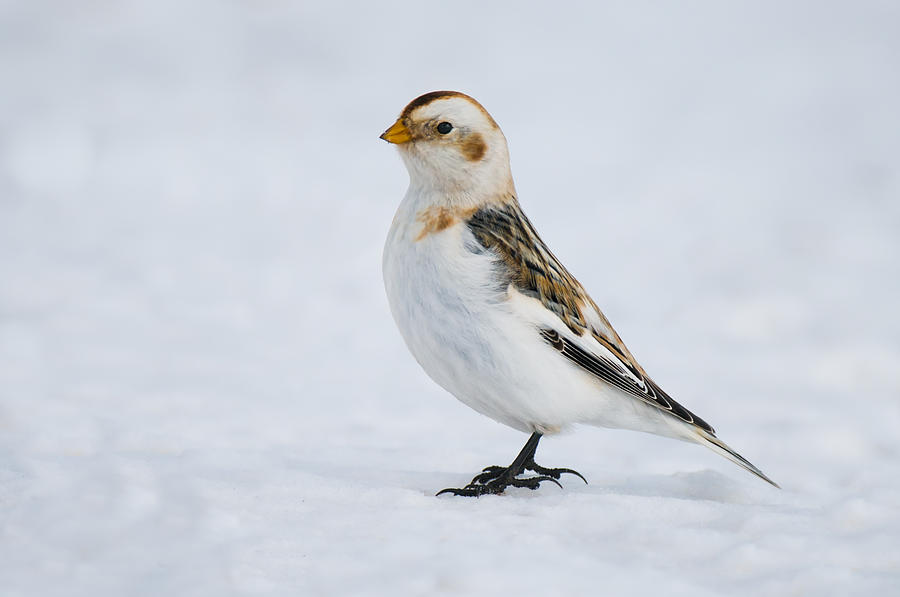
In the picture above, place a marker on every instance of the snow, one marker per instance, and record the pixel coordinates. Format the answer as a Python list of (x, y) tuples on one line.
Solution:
[(201, 388)]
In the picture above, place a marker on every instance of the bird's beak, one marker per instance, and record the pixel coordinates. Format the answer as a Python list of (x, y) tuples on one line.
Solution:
[(398, 133)]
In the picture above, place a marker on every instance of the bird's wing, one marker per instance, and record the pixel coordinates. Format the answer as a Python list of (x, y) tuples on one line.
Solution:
[(608, 367), (584, 336)]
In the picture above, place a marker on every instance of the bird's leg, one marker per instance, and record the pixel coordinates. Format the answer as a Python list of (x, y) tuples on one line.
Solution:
[(495, 479), (492, 473)]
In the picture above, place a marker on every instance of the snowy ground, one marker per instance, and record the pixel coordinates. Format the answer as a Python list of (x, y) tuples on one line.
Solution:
[(201, 388)]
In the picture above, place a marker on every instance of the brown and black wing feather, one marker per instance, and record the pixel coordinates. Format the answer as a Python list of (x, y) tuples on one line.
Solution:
[(531, 267), (536, 272)]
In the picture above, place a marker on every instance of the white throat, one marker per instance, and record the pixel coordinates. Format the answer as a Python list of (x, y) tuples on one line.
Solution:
[(453, 181)]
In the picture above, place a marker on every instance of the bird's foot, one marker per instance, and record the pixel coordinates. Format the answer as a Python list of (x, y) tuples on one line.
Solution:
[(493, 472), (498, 484), (495, 479)]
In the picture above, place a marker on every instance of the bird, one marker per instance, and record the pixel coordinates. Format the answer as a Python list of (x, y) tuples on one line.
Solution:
[(492, 316)]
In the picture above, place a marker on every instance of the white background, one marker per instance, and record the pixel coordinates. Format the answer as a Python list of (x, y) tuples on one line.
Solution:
[(201, 388)]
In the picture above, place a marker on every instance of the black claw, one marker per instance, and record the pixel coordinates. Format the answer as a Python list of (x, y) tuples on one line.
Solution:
[(488, 474), (472, 490), (534, 482), (453, 490), (556, 473)]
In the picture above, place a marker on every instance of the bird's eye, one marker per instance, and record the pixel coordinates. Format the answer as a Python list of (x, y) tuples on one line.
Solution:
[(444, 128)]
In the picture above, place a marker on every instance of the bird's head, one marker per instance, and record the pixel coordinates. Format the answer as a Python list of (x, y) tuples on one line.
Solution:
[(453, 147)]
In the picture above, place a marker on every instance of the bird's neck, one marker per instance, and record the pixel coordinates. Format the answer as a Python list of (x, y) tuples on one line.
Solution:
[(425, 196), (431, 191)]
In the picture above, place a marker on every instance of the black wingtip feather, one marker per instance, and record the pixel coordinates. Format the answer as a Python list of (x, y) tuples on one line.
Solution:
[(650, 393)]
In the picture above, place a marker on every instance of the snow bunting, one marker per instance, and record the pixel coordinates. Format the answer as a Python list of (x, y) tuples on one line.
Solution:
[(488, 311)]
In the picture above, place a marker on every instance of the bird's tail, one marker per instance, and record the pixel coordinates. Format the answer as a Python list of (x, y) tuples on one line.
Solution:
[(718, 446)]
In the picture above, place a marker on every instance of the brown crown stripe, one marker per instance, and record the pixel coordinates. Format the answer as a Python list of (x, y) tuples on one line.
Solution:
[(424, 100)]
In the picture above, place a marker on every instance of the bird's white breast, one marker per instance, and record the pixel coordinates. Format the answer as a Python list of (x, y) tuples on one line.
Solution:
[(445, 299)]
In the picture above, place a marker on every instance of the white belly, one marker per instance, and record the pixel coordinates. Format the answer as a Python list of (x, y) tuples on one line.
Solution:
[(445, 303)]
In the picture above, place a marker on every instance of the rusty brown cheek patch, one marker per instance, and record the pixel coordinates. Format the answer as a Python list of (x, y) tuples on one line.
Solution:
[(474, 147), (436, 219)]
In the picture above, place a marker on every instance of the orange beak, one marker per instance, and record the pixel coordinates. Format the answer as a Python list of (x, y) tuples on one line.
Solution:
[(398, 133)]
